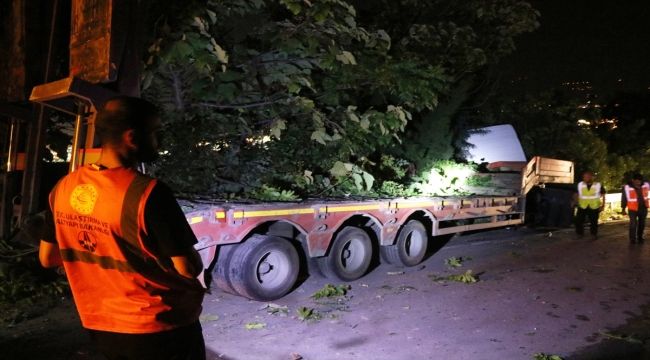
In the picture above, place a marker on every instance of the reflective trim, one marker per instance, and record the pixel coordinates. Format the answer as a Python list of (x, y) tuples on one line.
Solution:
[(104, 262), (582, 186), (195, 220), (349, 208), (240, 214), (130, 212), (630, 190)]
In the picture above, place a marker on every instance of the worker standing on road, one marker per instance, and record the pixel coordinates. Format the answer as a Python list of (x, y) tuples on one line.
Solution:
[(126, 246), (590, 200), (635, 199)]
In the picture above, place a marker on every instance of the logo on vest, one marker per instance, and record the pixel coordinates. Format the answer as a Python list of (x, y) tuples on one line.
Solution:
[(87, 241), (83, 198)]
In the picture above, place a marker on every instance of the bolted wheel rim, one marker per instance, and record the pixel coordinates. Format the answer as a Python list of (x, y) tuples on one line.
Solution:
[(353, 254), (272, 269), (414, 244)]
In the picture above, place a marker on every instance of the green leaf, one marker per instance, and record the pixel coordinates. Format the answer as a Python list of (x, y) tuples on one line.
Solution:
[(294, 88), (318, 120), (213, 16), (229, 76), (294, 8), (258, 3), (179, 49), (365, 123), (319, 136), (308, 177), (148, 77), (278, 126), (350, 21), (196, 40), (320, 12), (350, 57), (369, 179), (347, 58), (339, 169), (330, 291), (305, 64), (227, 91), (358, 181)]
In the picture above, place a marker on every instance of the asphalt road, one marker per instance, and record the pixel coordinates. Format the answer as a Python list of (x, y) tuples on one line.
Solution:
[(537, 292)]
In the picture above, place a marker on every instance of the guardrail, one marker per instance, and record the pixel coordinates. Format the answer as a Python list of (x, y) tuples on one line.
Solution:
[(613, 201)]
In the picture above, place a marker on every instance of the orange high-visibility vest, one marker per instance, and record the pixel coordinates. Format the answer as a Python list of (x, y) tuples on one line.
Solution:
[(632, 201), (118, 284)]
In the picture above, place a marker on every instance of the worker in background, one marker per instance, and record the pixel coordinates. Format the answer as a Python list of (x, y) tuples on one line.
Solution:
[(635, 199), (591, 201), (126, 246)]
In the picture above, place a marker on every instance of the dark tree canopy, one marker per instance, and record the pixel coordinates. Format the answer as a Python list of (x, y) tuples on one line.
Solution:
[(318, 96)]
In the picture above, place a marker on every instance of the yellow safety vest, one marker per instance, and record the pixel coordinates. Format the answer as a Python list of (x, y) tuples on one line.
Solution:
[(589, 197)]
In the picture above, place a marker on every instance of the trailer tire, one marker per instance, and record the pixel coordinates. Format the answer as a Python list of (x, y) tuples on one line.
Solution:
[(349, 257), (410, 247), (221, 270), (264, 268)]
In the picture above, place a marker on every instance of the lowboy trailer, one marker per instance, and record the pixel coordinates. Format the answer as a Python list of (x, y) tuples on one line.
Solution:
[(261, 248)]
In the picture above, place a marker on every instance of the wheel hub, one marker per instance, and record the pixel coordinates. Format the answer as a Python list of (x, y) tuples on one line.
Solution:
[(414, 244), (272, 269), (265, 268), (352, 254)]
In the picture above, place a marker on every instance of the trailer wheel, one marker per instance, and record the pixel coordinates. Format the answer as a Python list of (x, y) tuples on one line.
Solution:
[(349, 257), (410, 248), (264, 268), (220, 272)]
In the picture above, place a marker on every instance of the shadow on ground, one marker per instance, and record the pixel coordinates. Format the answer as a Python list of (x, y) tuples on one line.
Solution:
[(57, 335), (627, 342)]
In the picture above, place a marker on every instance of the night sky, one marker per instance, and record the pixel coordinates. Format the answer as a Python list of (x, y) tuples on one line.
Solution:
[(600, 41)]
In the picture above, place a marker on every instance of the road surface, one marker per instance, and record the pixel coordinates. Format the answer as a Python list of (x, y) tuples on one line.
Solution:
[(537, 292)]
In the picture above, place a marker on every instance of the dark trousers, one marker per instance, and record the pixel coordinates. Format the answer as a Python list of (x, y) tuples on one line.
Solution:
[(592, 214), (185, 343), (637, 223)]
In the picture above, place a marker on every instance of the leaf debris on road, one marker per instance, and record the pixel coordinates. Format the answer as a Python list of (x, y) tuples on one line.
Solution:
[(208, 318), (255, 325)]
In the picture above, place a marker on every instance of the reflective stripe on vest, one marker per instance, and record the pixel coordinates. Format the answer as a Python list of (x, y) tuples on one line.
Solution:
[(118, 283), (589, 197), (632, 201)]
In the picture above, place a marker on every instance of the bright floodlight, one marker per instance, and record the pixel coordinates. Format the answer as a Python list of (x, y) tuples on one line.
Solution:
[(499, 143)]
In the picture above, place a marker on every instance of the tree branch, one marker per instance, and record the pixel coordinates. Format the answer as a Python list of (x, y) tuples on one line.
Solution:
[(235, 107), (177, 89)]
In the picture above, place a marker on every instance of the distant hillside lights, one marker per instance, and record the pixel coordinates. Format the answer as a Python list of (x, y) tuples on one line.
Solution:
[(610, 122)]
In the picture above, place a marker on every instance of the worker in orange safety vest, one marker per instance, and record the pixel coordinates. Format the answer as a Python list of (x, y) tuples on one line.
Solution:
[(125, 245), (635, 199)]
